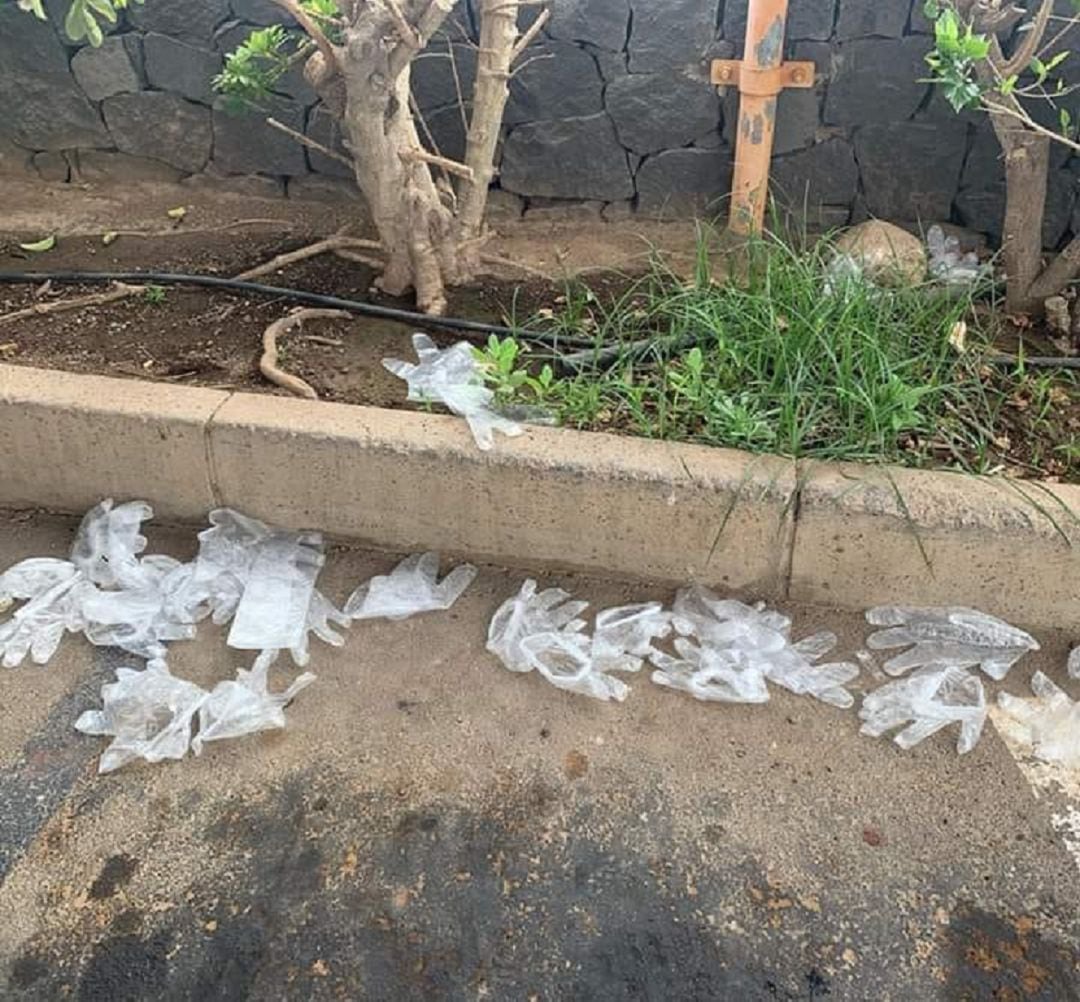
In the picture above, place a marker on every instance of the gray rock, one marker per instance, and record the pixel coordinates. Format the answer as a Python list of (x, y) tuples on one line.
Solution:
[(189, 19), (825, 174), (448, 132), (294, 84), (503, 207), (1061, 191), (603, 23), (112, 68), (910, 171), (13, 158), (860, 18), (653, 111), (610, 64), (676, 183), (43, 108), (184, 69), (798, 117), (562, 81), (573, 158), (983, 209), (876, 80), (317, 188), (52, 166), (433, 74), (231, 35), (672, 36), (807, 19), (245, 144), (984, 166), (260, 12), (818, 53), (160, 126), (325, 129), (95, 166)]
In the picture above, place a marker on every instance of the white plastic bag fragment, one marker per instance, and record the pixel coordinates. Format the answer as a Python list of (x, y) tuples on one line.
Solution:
[(948, 263), (245, 705), (950, 636), (927, 701), (147, 713), (451, 377), (1050, 721), (410, 588)]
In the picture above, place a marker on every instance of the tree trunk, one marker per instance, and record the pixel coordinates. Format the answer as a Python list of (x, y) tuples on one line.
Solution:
[(1027, 164)]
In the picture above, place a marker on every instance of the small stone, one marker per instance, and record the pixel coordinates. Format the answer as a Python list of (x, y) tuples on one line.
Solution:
[(886, 254), (52, 166)]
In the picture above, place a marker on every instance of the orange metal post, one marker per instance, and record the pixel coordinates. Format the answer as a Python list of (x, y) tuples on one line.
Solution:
[(761, 76)]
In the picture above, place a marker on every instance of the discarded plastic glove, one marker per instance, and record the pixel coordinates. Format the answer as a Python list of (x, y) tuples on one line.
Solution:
[(565, 659), (245, 706), (927, 701), (38, 627), (452, 377), (1074, 663), (321, 613), (108, 542), (1051, 721), (30, 577), (795, 668), (528, 613), (951, 636), (148, 714), (948, 263), (410, 588), (710, 673)]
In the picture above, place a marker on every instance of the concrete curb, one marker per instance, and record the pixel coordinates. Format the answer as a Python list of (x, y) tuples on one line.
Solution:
[(843, 535)]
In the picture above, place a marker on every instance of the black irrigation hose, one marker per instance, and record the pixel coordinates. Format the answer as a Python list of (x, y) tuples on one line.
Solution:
[(599, 355), (553, 341)]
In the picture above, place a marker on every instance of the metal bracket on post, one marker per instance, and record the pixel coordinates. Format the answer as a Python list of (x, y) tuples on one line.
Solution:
[(762, 82)]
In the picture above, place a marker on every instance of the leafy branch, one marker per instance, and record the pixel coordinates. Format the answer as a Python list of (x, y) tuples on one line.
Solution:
[(83, 16)]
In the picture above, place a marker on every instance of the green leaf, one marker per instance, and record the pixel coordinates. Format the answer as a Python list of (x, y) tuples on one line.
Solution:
[(932, 9), (1064, 120), (1008, 85), (40, 246), (1038, 67)]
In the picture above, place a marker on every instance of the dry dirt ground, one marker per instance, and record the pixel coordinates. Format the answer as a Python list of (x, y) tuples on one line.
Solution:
[(433, 827)]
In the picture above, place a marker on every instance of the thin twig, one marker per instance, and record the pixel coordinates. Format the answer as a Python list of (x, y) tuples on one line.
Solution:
[(444, 162), (527, 39), (188, 231), (357, 258), (311, 26), (1021, 58), (119, 291), (408, 33), (308, 141), (333, 243), (268, 362)]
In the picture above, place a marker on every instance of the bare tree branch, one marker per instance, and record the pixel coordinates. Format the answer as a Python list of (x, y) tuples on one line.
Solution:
[(527, 39), (409, 156), (311, 26), (1025, 52), (308, 141)]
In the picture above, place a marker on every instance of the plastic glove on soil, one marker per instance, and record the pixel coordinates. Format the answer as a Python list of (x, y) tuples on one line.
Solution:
[(528, 613), (108, 542), (927, 701), (452, 377), (1051, 721), (710, 674), (410, 588), (951, 636), (147, 713), (245, 706)]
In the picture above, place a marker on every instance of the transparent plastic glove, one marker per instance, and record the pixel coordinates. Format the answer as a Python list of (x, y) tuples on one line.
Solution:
[(952, 636), (29, 578), (699, 613), (927, 701), (710, 674), (277, 594), (948, 263), (623, 636), (38, 627), (565, 660), (226, 552), (147, 713), (108, 542), (321, 613), (527, 613), (245, 706), (795, 669), (1051, 721), (452, 377), (410, 588), (1074, 663)]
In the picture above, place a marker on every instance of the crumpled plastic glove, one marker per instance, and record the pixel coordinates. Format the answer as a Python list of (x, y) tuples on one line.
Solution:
[(410, 588), (38, 627), (1074, 663), (147, 713), (710, 674), (245, 705), (321, 613), (947, 636), (624, 635), (927, 701), (527, 613), (108, 542), (796, 669), (30, 577), (1051, 721), (226, 552), (452, 377), (698, 612), (565, 660)]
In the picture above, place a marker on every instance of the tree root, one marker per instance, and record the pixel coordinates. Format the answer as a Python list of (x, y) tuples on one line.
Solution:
[(118, 291), (268, 362), (337, 242)]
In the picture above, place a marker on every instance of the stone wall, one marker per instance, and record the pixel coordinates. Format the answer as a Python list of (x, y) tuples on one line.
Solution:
[(613, 108)]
